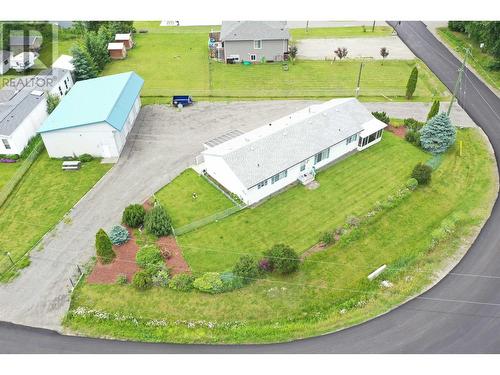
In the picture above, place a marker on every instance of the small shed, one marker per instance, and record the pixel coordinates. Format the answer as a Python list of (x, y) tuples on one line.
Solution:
[(126, 39), (117, 50)]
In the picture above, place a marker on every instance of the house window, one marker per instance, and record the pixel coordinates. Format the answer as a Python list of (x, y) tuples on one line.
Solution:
[(278, 176), (6, 144), (322, 155), (303, 166), (261, 184), (60, 91), (351, 139), (6, 62), (253, 57), (66, 83), (257, 44)]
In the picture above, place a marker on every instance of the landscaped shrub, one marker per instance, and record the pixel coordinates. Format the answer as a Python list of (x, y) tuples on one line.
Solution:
[(158, 222), (133, 215), (382, 116), (413, 136), (282, 259), (411, 85), (85, 158), (264, 265), (412, 183), (182, 282), (412, 124), (246, 268), (104, 247), (434, 110), (230, 281), (209, 282), (161, 277), (148, 256), (142, 280), (118, 235), (422, 173), (326, 238), (438, 134), (121, 279)]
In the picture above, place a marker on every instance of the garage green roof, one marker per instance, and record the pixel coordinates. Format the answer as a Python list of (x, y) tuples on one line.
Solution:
[(104, 99)]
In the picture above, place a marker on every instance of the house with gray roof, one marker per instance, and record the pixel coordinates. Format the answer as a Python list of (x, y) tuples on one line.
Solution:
[(23, 106), (253, 41), (259, 163)]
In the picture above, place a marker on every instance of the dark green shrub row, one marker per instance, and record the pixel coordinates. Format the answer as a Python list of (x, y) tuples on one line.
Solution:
[(382, 116)]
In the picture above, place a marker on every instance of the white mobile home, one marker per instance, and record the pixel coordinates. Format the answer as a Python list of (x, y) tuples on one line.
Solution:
[(261, 162), (23, 106)]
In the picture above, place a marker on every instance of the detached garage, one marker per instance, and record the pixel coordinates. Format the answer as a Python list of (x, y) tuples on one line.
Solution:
[(94, 118)]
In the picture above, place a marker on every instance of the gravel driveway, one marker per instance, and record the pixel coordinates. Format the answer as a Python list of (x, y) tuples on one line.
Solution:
[(163, 142), (319, 49)]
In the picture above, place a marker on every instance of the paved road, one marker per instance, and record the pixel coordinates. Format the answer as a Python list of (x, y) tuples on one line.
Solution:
[(459, 315)]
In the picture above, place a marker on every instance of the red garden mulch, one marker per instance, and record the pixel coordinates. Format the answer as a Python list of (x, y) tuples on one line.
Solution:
[(398, 132), (123, 264), (176, 262)]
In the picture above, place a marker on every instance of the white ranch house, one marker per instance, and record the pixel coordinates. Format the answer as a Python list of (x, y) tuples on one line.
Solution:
[(259, 163)]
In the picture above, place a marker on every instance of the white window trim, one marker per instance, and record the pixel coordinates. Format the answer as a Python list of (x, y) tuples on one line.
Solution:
[(6, 144), (260, 43)]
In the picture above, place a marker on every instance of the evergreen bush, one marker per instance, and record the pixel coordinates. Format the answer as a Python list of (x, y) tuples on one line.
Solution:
[(246, 268), (438, 134), (104, 247), (149, 256), (158, 222), (412, 83), (142, 280), (118, 235), (182, 282), (282, 259), (422, 173), (133, 215)]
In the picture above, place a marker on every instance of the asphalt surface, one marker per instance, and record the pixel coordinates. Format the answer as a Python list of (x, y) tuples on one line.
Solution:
[(459, 315)]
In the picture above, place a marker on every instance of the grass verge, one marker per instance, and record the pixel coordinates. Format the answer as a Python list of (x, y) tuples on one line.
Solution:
[(330, 291)]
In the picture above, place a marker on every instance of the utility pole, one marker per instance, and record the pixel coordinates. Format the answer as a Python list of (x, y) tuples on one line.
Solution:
[(458, 83), (307, 26), (359, 79), (373, 26)]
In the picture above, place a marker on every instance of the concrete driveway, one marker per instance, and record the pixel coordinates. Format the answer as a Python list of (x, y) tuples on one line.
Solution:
[(321, 49), (162, 144)]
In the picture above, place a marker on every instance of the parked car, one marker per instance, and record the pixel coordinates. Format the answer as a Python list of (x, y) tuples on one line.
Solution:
[(180, 101)]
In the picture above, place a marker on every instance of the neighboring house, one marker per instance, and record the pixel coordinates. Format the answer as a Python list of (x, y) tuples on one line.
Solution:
[(23, 61), (126, 39), (19, 43), (94, 118), (5, 57), (117, 50), (64, 62), (23, 106), (253, 41), (261, 162)]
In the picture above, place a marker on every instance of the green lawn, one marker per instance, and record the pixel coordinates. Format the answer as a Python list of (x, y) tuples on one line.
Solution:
[(480, 61), (322, 79), (330, 291), (44, 195), (7, 170), (171, 62), (174, 60), (298, 216), (340, 32), (177, 198)]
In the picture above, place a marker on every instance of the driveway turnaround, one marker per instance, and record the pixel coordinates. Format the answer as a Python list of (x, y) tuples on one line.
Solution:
[(358, 48), (163, 142), (459, 315)]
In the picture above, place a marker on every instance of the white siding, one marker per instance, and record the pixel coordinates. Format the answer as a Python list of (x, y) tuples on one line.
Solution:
[(100, 139), (218, 169)]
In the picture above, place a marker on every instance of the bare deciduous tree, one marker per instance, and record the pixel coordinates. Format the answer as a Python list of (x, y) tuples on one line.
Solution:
[(341, 52)]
